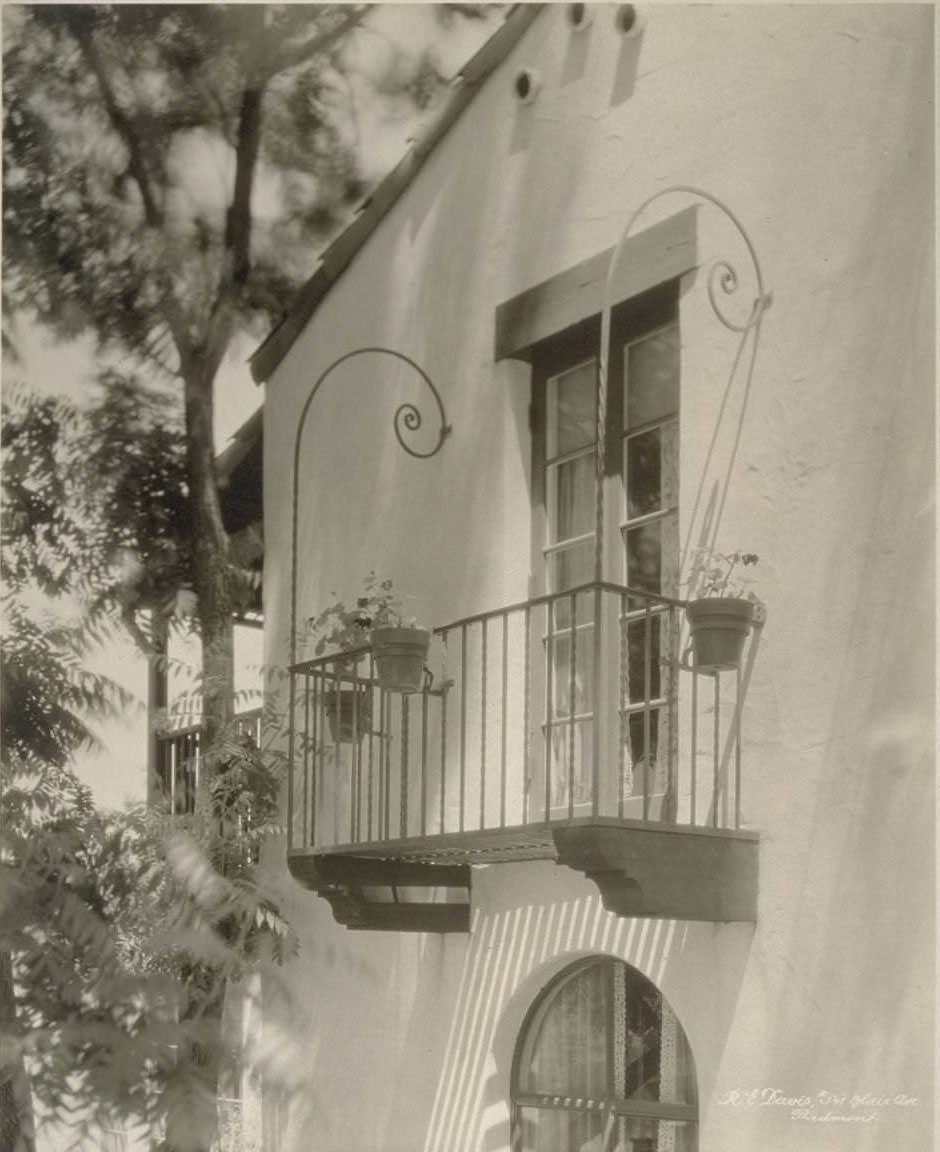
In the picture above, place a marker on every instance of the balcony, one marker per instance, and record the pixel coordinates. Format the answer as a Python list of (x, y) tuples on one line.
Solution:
[(179, 761), (550, 729)]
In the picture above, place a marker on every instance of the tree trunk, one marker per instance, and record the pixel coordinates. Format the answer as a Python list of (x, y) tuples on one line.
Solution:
[(157, 699), (16, 1109), (196, 1132), (193, 1128), (210, 564)]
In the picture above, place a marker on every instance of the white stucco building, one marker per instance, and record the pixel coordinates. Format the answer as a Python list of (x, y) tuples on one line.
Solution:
[(669, 271)]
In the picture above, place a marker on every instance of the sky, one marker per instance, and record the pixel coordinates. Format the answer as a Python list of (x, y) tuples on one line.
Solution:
[(117, 773)]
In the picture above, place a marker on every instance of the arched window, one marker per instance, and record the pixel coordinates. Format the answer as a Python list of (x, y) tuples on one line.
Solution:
[(603, 1065)]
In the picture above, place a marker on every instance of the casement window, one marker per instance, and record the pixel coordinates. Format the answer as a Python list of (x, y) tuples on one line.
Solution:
[(640, 546), (603, 1065)]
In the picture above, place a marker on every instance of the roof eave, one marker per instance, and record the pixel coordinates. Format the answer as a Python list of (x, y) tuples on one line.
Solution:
[(339, 255)]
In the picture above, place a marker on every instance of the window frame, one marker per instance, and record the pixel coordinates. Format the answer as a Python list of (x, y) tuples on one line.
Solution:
[(611, 1104), (631, 320)]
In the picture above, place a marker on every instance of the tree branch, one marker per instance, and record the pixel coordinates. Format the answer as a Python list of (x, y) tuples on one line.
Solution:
[(127, 130), (238, 221), (121, 122), (289, 56)]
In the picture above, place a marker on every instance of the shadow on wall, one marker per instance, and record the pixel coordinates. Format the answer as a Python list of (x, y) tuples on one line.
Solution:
[(419, 1058), (863, 898), (284, 1053), (730, 276), (863, 895), (518, 945)]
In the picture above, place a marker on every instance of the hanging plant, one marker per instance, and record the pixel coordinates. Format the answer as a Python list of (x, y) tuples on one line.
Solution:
[(721, 610)]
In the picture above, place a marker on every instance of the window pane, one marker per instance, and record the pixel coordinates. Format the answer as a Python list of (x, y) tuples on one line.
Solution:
[(550, 1130), (652, 551), (646, 767), (569, 1054), (651, 470), (569, 567), (652, 1057), (572, 410), (644, 658), (644, 557), (547, 1130), (602, 1047), (573, 611), (562, 672), (636, 1135), (651, 377), (571, 766), (571, 506)]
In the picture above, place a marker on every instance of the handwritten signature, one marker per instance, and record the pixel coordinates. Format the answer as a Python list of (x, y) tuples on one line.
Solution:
[(822, 1107)]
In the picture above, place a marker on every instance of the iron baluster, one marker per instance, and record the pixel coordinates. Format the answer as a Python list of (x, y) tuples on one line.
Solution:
[(443, 788), (371, 766), (549, 709), (307, 816), (483, 659), (504, 712), (384, 758), (424, 761), (403, 782), (623, 694), (693, 746), (596, 718), (716, 730), (573, 656), (737, 749), (463, 724), (526, 719), (647, 693)]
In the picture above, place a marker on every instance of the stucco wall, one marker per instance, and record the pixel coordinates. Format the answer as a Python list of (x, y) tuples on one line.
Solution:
[(815, 125)]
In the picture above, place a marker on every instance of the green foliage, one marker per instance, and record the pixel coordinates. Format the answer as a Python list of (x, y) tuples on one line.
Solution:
[(104, 225), (48, 691), (714, 573), (44, 530), (341, 627), (169, 171), (84, 490), (125, 934), (124, 929)]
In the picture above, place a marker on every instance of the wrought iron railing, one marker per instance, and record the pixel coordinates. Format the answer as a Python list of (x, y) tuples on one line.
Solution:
[(179, 761), (561, 707)]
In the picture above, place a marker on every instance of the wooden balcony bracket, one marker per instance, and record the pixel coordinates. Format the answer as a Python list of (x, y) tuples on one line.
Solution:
[(365, 892), (674, 873)]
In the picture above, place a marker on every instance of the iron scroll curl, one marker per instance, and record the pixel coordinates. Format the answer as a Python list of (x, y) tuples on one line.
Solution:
[(723, 282), (407, 420)]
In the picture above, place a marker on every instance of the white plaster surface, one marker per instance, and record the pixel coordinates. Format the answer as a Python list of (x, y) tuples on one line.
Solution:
[(814, 123)]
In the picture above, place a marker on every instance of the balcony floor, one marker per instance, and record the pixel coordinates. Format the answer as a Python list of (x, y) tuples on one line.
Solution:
[(642, 869), (535, 841)]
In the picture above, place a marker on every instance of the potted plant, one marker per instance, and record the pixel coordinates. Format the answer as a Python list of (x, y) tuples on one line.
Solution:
[(400, 647), (721, 610), (347, 704)]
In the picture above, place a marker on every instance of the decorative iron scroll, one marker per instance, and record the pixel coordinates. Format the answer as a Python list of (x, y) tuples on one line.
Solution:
[(723, 282), (406, 421)]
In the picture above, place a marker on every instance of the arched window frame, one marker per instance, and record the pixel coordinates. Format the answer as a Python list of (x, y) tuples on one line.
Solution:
[(611, 1104)]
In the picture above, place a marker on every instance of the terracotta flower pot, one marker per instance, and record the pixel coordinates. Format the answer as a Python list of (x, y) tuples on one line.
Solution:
[(400, 655), (348, 713), (718, 627)]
